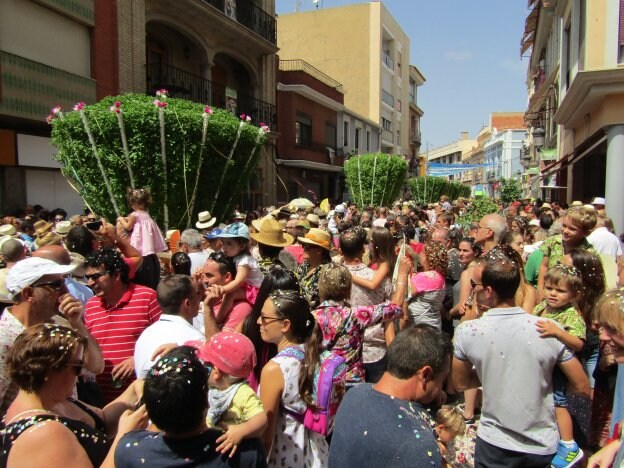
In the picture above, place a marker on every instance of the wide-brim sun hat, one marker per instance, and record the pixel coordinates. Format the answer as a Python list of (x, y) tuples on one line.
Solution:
[(314, 219), (270, 233), (317, 237), (205, 220), (62, 227), (7, 230), (598, 201)]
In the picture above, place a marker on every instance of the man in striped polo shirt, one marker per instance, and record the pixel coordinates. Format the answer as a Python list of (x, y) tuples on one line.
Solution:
[(116, 316)]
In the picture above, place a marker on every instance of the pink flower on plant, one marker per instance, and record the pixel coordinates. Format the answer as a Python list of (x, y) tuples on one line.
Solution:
[(245, 117), (265, 128), (116, 107), (158, 103), (162, 93), (79, 106), (50, 118), (208, 110), (55, 110)]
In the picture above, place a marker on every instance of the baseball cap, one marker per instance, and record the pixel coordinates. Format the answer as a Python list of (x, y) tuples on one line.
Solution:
[(230, 352), (28, 271), (235, 230), (214, 234)]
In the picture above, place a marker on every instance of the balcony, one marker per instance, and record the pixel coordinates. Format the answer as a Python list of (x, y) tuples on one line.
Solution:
[(387, 136), (415, 137), (387, 98), (30, 89), (185, 85), (249, 15), (302, 65), (387, 61)]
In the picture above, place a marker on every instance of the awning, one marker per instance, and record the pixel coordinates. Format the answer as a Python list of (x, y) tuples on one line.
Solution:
[(530, 26), (549, 154), (303, 164), (532, 171)]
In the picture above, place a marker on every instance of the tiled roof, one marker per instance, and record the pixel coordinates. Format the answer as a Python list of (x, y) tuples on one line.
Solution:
[(507, 121)]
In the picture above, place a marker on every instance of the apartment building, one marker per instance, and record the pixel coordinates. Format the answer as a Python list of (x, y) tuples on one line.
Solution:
[(576, 89), (416, 79), (218, 52), (452, 153), (371, 61)]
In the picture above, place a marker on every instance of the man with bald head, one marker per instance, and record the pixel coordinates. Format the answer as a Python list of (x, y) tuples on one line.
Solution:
[(492, 228)]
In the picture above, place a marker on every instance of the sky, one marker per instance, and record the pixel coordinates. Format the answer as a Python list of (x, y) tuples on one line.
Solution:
[(469, 52)]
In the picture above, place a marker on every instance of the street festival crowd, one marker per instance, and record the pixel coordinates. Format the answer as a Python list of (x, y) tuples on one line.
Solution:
[(298, 336)]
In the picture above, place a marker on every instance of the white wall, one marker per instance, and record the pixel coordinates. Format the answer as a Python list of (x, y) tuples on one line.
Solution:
[(48, 188), (50, 38)]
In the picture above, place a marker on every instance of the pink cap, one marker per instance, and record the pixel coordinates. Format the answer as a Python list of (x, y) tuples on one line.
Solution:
[(230, 352)]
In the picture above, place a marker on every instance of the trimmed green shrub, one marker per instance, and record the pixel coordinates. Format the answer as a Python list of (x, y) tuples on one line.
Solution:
[(197, 177), (375, 179), (478, 208), (429, 189)]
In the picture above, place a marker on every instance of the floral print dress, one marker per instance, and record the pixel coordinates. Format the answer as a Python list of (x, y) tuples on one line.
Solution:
[(343, 331)]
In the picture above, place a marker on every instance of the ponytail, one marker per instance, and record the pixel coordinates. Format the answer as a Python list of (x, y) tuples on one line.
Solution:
[(310, 363)]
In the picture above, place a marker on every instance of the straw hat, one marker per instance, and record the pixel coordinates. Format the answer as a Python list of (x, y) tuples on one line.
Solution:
[(62, 227), (270, 233), (205, 220), (577, 203), (546, 206), (42, 228), (317, 237), (257, 223), (7, 230), (313, 219)]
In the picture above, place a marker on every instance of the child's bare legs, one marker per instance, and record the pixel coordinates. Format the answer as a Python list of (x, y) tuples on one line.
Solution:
[(228, 301), (564, 422)]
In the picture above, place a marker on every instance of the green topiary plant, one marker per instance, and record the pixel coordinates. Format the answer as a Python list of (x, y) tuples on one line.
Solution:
[(375, 179), (479, 207), (510, 190), (429, 189), (191, 157)]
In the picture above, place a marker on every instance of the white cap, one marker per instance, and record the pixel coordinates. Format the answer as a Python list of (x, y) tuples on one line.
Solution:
[(340, 208), (28, 271), (534, 222), (598, 201)]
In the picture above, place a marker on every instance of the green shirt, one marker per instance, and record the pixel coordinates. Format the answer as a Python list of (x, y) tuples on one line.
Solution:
[(569, 318), (532, 267), (553, 249)]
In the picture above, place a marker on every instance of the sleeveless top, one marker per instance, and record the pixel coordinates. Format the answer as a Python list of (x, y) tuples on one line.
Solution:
[(93, 440), (146, 236)]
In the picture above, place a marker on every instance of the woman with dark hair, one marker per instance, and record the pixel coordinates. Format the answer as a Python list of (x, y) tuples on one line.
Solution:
[(286, 384), (469, 253), (43, 425), (275, 278)]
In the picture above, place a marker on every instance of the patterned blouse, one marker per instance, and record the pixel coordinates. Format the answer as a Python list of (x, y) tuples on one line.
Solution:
[(554, 250), (343, 330), (309, 280)]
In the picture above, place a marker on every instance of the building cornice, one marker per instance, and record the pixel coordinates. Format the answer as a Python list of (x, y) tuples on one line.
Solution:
[(587, 91), (311, 94), (303, 164)]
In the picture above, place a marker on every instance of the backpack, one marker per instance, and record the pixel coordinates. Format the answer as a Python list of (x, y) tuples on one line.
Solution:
[(327, 390)]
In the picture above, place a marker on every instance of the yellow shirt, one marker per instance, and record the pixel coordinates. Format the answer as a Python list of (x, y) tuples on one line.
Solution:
[(245, 405)]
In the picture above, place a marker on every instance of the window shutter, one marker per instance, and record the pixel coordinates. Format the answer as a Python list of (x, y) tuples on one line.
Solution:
[(621, 41)]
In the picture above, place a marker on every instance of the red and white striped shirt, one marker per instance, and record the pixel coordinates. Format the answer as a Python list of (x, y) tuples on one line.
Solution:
[(117, 329)]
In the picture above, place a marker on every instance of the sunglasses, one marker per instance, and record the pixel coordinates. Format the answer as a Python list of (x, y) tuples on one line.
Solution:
[(219, 257), (76, 366), (266, 319), (56, 285), (473, 284), (95, 276)]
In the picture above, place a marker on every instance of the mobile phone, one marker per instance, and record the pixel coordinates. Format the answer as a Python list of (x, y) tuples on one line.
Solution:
[(94, 226)]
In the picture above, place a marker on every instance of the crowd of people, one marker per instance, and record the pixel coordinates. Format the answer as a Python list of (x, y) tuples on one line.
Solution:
[(291, 336)]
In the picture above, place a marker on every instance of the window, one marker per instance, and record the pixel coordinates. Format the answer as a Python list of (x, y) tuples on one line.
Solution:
[(330, 135), (399, 105), (398, 142), (303, 130), (621, 33), (356, 143), (345, 135), (387, 98), (386, 124), (368, 143)]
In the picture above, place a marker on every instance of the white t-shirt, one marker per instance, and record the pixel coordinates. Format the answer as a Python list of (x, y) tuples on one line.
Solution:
[(605, 242), (515, 366), (168, 329)]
